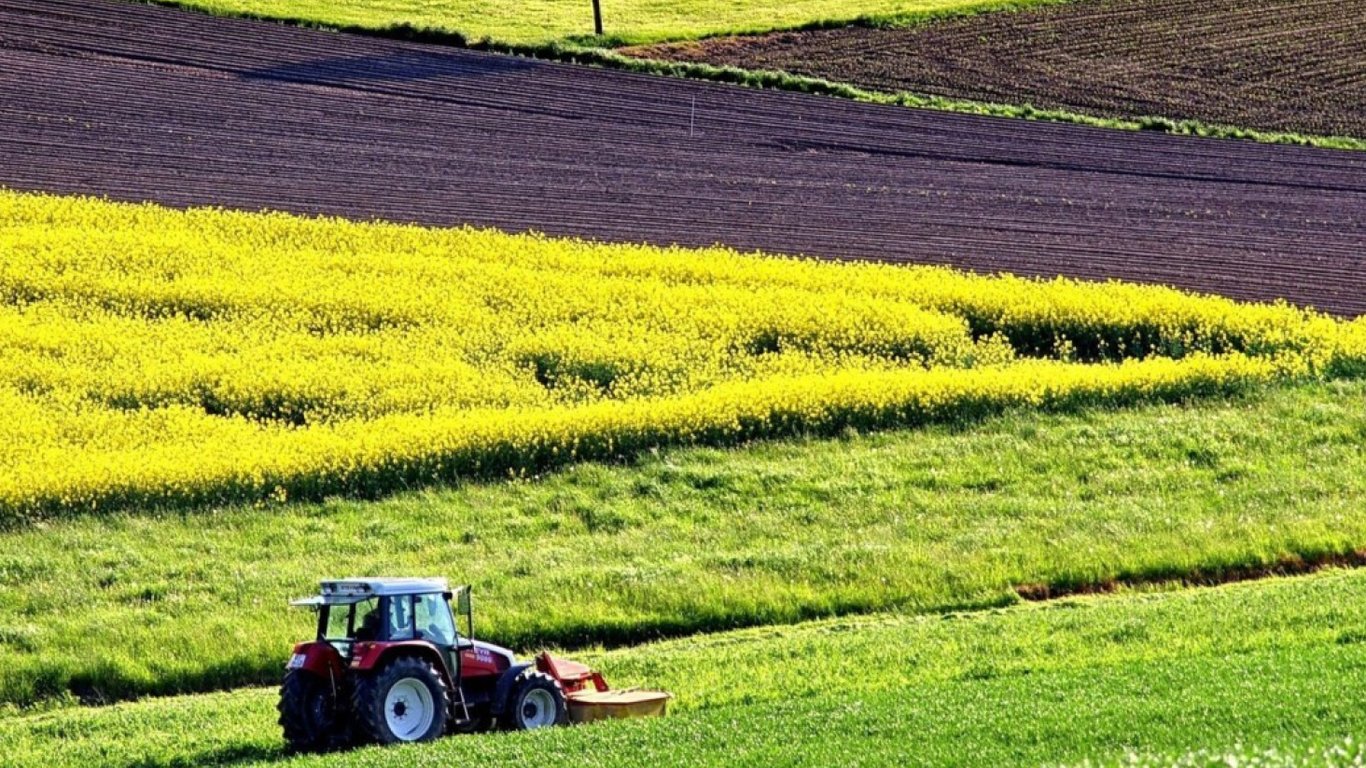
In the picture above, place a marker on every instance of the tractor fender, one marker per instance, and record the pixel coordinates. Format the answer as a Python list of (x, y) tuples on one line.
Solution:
[(367, 656), (317, 658), (504, 687)]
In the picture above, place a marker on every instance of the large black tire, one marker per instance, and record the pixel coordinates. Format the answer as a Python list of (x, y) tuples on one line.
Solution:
[(536, 701), (385, 719), (309, 714)]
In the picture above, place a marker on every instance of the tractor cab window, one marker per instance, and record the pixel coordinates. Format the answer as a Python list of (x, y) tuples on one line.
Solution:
[(400, 618), (366, 624), (434, 620), (352, 622)]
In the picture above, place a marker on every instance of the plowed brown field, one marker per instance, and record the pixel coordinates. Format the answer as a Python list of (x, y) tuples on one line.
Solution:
[(1282, 65), (140, 102)]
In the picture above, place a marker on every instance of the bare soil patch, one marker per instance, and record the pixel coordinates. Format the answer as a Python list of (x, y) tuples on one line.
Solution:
[(1284, 65), (138, 102)]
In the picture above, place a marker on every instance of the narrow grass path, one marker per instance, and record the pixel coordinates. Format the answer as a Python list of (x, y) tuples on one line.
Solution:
[(624, 21), (1279, 664), (703, 540)]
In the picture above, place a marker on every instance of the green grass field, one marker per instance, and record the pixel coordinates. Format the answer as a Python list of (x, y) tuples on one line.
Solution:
[(702, 540), (1271, 671), (624, 21)]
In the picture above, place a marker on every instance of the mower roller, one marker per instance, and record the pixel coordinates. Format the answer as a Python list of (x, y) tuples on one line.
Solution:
[(389, 664)]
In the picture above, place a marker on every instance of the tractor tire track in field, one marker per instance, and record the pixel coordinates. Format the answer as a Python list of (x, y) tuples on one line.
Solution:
[(1196, 576), (139, 102), (1280, 65)]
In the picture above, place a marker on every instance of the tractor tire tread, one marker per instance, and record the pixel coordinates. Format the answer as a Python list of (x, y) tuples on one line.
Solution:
[(294, 719)]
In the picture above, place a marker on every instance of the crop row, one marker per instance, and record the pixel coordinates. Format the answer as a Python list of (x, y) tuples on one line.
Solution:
[(320, 356)]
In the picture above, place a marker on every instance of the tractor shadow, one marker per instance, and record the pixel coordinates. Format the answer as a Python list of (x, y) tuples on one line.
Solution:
[(257, 754), (244, 754), (396, 67), (223, 756)]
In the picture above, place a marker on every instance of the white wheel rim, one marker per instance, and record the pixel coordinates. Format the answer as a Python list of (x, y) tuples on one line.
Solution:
[(408, 709), (538, 709)]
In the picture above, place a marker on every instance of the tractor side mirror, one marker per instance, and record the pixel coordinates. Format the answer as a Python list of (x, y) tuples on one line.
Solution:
[(465, 605)]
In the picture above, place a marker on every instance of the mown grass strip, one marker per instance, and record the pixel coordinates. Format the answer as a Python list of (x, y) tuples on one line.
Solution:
[(1280, 664), (683, 541)]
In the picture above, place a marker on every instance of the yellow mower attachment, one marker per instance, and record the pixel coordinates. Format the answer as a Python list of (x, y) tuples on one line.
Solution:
[(587, 706), (599, 702)]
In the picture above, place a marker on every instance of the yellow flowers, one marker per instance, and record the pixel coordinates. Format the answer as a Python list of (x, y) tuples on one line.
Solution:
[(149, 356)]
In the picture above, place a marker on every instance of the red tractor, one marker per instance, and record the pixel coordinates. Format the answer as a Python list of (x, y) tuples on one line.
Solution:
[(390, 665)]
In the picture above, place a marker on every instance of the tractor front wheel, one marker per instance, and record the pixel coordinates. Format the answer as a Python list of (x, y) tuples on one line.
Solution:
[(309, 713), (537, 701), (405, 701)]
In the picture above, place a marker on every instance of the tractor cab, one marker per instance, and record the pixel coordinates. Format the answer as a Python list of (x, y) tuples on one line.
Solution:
[(365, 613)]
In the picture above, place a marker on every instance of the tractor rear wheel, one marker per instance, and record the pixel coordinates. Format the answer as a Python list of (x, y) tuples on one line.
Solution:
[(309, 714), (537, 701), (405, 701)]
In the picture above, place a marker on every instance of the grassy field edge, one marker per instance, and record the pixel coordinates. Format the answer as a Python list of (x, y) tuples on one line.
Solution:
[(875, 20), (455, 36)]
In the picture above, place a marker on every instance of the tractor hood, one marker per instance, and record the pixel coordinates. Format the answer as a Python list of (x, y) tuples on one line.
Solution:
[(495, 650)]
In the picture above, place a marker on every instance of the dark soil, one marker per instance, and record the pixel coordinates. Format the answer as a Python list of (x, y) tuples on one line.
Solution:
[(1283, 65), (138, 102)]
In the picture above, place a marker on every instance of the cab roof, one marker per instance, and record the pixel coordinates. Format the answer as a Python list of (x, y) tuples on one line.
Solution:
[(356, 589)]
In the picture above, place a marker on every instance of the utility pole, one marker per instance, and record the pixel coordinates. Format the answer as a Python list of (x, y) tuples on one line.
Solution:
[(597, 17)]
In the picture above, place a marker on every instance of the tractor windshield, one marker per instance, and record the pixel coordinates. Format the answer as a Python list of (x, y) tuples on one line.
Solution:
[(434, 621)]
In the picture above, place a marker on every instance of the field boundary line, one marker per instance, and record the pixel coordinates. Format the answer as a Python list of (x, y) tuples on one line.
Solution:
[(1290, 564)]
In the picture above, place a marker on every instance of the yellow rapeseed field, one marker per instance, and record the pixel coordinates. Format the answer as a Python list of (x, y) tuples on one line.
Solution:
[(158, 357)]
